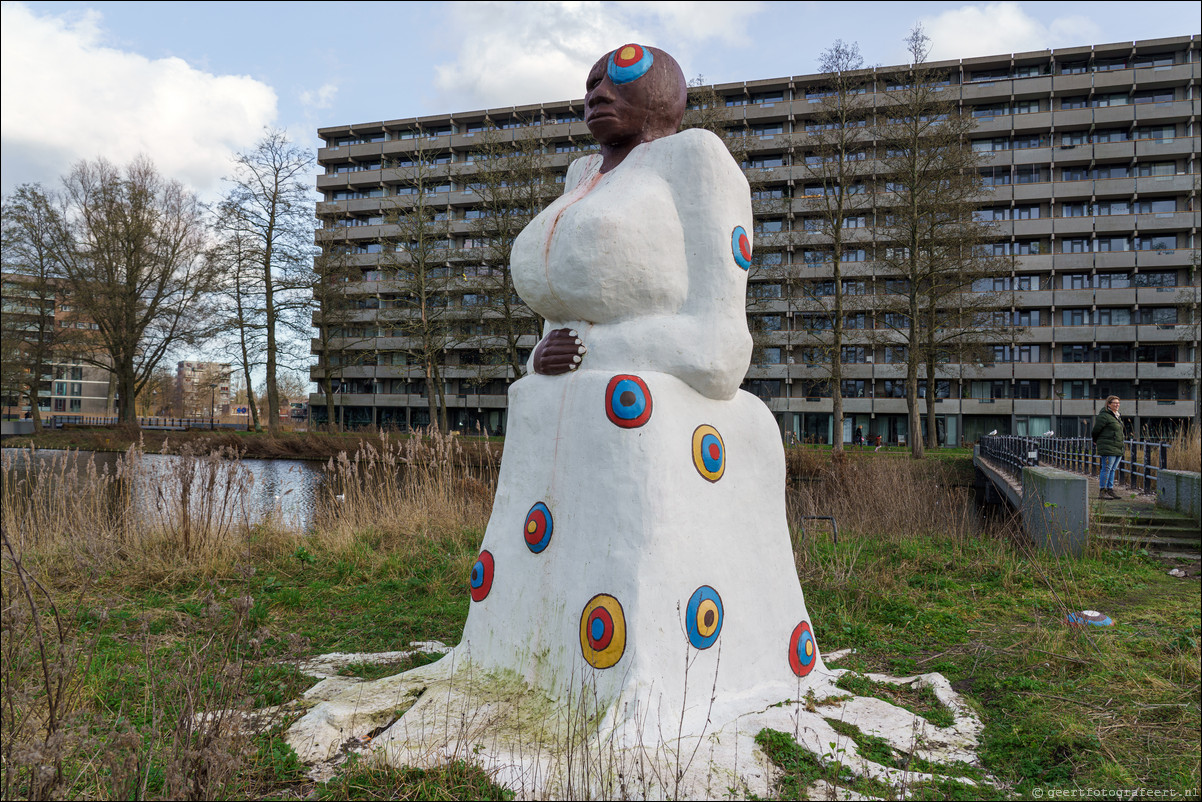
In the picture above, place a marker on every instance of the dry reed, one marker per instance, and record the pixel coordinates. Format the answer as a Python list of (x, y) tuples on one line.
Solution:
[(1185, 449)]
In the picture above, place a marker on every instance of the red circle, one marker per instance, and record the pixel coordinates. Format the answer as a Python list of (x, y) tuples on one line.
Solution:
[(540, 526), (795, 663), (608, 622), (715, 452), (487, 567), (745, 247), (621, 62)]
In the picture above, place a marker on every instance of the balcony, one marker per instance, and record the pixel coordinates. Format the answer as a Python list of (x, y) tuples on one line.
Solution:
[(1073, 370), (1177, 111), (1168, 221), (1181, 371), (1165, 333), (1180, 184), (1073, 335), (1114, 260), (1073, 226), (1041, 227), (1179, 147), (1115, 370), (986, 406), (1106, 151), (1114, 223)]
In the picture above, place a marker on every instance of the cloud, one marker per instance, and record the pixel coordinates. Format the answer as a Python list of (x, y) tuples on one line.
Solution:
[(67, 96), (321, 98), (518, 53), (977, 30)]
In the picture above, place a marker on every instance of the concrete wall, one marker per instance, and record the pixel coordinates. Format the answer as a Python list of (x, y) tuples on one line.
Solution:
[(1180, 491), (1055, 510), (12, 427)]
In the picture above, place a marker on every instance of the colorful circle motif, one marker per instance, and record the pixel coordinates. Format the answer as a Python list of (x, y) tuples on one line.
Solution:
[(538, 527), (740, 246), (703, 617), (627, 401), (481, 580), (803, 651), (602, 631), (629, 63), (709, 452)]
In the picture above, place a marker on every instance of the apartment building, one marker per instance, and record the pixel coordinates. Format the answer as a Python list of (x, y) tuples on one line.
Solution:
[(202, 389), (68, 386), (1091, 160)]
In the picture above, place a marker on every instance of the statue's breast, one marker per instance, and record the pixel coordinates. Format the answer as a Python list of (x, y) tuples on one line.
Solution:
[(610, 249)]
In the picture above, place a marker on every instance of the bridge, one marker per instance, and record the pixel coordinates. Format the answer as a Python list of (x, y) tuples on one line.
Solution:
[(1051, 482)]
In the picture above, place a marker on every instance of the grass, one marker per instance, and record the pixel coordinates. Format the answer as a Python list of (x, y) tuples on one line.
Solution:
[(116, 634)]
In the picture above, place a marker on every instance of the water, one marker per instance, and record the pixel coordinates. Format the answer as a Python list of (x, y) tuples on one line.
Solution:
[(283, 488)]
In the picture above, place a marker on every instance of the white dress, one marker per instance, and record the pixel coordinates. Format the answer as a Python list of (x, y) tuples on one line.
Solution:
[(638, 546)]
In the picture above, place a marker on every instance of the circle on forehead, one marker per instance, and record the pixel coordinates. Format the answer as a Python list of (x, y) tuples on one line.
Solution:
[(538, 528), (481, 580), (703, 617), (602, 631), (709, 452), (627, 401), (629, 63), (740, 246)]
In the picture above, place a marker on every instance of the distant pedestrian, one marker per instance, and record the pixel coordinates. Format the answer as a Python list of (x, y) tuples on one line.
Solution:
[(858, 437), (1108, 434)]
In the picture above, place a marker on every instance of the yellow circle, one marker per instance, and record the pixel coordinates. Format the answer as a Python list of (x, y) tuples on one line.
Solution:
[(707, 605), (627, 53), (809, 648), (699, 461), (612, 653), (530, 527)]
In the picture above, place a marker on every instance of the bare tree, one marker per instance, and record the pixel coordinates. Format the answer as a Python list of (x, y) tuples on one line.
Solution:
[(129, 244), (836, 165), (514, 182), (270, 193), (31, 287), (240, 296), (930, 245), (339, 343), (416, 255)]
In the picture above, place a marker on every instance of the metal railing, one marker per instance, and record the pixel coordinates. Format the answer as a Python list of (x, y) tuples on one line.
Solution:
[(154, 422), (1141, 465)]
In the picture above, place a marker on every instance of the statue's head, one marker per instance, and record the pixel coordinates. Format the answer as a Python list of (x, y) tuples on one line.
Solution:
[(635, 94)]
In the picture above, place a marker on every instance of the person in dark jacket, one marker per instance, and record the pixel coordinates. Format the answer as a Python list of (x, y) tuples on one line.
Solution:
[(1108, 434)]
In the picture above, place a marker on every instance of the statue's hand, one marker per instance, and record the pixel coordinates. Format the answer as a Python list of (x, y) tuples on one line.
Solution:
[(559, 352)]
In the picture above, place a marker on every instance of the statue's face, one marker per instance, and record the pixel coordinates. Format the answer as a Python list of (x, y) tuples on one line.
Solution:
[(615, 113), (633, 94)]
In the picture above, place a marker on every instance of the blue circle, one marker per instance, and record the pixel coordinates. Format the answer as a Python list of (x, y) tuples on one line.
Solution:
[(631, 72), (636, 406), (477, 574), (742, 259), (598, 629), (807, 637), (698, 629), (712, 463)]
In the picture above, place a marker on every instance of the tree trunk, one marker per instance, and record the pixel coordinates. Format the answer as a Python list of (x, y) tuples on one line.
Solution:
[(127, 388), (932, 432), (273, 396), (34, 413)]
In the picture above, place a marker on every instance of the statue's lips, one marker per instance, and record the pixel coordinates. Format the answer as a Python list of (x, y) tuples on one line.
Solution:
[(598, 115)]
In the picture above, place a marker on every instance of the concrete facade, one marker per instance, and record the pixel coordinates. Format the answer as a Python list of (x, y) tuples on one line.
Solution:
[(1092, 158)]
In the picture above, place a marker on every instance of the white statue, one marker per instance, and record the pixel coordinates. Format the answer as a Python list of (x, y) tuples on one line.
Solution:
[(635, 600), (639, 522)]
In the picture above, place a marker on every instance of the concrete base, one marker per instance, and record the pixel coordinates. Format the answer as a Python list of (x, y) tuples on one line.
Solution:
[(1055, 510), (1180, 491), (541, 749)]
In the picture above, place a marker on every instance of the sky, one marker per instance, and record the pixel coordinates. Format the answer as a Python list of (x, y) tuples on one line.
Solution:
[(191, 83)]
